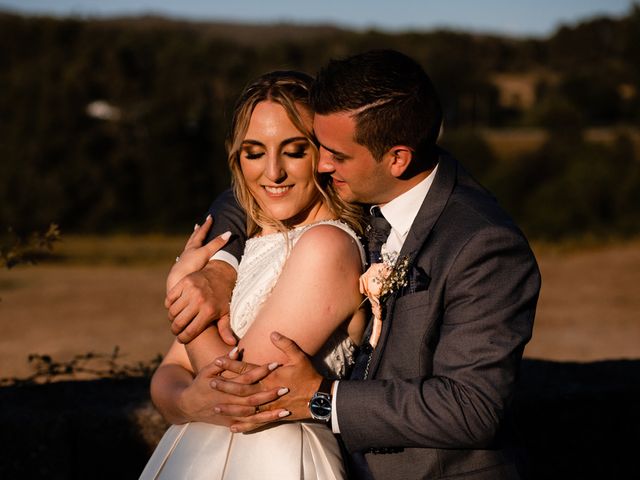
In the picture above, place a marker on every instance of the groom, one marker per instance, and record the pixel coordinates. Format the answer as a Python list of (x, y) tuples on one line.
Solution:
[(432, 397)]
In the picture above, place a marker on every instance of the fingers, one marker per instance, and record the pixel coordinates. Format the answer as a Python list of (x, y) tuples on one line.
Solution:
[(234, 353), (248, 373), (245, 405), (173, 295), (174, 308), (217, 243), (212, 369), (225, 331), (287, 346), (199, 233), (258, 420), (196, 322), (183, 319), (256, 408)]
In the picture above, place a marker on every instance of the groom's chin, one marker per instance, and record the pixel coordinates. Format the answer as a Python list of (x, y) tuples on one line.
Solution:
[(344, 192)]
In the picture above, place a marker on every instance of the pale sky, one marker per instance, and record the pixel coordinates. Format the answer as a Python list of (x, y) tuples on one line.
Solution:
[(513, 17)]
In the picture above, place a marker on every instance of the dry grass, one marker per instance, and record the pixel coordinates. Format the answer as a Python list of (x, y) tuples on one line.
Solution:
[(589, 307)]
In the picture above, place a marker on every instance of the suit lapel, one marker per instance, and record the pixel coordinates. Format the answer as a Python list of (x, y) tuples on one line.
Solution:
[(430, 210)]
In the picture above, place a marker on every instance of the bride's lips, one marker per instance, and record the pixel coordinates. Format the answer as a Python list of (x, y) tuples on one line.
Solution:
[(279, 191)]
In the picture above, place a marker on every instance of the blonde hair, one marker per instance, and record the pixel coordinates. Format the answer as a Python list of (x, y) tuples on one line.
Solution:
[(288, 89)]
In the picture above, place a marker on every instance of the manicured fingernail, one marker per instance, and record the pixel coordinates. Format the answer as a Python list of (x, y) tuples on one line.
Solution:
[(233, 351), (273, 366), (208, 217), (284, 413), (234, 429), (276, 336), (195, 227), (225, 236), (216, 410), (218, 361), (282, 391), (213, 384)]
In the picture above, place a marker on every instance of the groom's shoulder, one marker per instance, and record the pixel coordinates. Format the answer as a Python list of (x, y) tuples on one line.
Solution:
[(471, 207)]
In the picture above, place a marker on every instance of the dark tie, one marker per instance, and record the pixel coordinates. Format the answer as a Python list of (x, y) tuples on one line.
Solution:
[(377, 234)]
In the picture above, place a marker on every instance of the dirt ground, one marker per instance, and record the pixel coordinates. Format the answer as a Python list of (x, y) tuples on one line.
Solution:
[(589, 307)]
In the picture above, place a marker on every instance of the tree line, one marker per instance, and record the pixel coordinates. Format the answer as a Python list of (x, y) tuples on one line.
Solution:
[(119, 125)]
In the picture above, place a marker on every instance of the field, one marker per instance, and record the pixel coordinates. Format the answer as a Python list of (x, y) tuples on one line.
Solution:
[(99, 293)]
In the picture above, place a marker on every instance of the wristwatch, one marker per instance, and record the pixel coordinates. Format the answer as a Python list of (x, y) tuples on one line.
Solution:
[(320, 403)]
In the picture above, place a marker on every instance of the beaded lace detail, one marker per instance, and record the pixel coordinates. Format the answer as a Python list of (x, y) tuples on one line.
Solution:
[(263, 260)]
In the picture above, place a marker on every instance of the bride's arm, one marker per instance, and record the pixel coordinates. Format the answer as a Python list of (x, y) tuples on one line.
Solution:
[(316, 293), (178, 394), (208, 345)]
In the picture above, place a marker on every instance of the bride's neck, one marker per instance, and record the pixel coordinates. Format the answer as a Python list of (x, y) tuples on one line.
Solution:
[(315, 212)]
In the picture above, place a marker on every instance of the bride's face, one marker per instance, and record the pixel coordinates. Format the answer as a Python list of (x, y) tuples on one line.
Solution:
[(276, 160)]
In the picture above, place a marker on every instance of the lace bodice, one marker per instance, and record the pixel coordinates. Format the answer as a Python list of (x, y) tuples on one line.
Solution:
[(263, 260)]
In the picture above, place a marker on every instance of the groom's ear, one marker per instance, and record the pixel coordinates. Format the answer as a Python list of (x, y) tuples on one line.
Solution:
[(399, 158)]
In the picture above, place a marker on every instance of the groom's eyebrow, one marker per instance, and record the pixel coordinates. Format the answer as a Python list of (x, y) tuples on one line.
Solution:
[(335, 152)]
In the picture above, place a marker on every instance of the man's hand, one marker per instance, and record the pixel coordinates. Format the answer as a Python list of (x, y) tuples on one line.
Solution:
[(297, 378), (201, 298)]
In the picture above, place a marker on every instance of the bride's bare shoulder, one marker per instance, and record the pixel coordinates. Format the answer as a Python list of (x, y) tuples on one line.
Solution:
[(328, 241)]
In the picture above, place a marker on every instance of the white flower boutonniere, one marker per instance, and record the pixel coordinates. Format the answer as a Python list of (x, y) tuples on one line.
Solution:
[(377, 283)]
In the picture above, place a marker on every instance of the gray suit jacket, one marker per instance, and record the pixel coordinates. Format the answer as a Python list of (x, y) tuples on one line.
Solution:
[(445, 368)]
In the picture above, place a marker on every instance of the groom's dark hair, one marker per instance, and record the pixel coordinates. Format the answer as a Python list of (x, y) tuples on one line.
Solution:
[(391, 96)]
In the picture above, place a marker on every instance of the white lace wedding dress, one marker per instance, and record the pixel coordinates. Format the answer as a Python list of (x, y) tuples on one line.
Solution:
[(294, 450)]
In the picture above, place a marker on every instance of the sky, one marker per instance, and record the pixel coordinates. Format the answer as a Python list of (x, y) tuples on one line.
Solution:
[(511, 17)]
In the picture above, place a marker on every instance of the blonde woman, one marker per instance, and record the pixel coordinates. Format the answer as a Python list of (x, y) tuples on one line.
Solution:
[(299, 276)]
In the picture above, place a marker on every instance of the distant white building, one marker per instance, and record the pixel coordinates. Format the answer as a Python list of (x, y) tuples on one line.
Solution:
[(103, 110)]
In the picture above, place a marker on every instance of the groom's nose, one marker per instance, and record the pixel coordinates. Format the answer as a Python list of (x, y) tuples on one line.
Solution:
[(325, 162)]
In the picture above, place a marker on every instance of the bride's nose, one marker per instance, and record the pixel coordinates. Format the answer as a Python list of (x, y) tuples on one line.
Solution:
[(274, 169)]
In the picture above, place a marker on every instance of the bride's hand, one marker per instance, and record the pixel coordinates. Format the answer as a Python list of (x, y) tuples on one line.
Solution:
[(195, 255), (201, 399), (295, 383)]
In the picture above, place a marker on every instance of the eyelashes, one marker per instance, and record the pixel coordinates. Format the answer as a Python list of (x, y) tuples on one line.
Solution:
[(301, 153), (297, 153)]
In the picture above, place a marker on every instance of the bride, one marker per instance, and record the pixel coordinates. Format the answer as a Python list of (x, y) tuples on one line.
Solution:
[(298, 275)]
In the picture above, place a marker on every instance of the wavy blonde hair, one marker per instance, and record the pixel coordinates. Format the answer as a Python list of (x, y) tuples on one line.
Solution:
[(288, 89)]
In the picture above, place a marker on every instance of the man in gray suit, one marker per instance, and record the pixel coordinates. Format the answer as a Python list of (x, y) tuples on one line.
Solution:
[(431, 399)]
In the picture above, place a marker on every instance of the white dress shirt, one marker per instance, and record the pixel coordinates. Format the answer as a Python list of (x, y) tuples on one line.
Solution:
[(400, 213), (226, 257)]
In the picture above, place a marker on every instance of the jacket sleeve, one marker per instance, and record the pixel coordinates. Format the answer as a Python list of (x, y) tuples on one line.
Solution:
[(229, 216), (488, 305)]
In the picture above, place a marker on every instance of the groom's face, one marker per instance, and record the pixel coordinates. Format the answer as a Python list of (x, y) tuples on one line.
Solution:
[(356, 175)]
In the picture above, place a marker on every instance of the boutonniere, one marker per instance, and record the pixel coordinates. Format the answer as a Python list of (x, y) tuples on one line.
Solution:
[(379, 282)]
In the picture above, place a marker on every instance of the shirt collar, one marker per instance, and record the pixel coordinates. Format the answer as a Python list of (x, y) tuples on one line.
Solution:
[(402, 210)]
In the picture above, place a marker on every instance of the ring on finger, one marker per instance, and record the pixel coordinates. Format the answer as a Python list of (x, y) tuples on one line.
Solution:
[(257, 411)]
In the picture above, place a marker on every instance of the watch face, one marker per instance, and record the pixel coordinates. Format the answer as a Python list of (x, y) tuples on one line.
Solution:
[(320, 406)]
